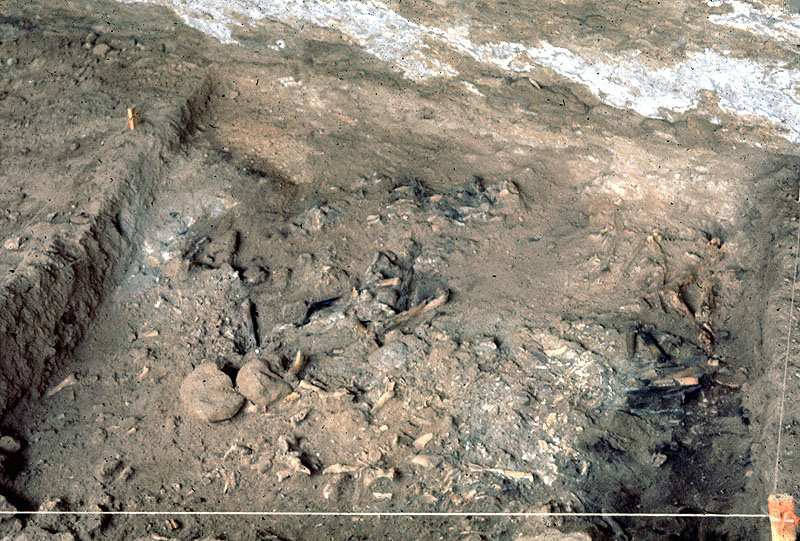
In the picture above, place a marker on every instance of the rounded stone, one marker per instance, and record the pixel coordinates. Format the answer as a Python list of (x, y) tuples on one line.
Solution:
[(257, 382), (208, 393)]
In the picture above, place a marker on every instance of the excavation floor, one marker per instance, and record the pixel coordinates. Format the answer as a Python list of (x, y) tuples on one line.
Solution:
[(492, 292)]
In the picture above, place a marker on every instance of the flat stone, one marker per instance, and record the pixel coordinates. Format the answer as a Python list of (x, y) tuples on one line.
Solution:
[(257, 382), (207, 393)]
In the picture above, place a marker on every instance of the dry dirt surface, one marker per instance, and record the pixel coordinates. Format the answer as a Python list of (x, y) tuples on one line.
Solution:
[(316, 278)]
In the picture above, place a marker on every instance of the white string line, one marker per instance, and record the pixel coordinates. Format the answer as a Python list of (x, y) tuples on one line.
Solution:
[(786, 358), (389, 514)]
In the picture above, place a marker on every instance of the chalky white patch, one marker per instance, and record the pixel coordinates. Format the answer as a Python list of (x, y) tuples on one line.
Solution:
[(743, 87), (767, 21)]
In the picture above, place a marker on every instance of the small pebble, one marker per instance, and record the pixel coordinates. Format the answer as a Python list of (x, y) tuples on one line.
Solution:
[(207, 393), (11, 61), (257, 382)]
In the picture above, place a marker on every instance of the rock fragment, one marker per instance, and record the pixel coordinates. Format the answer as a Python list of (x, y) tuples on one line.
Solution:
[(101, 49), (9, 445), (422, 441), (11, 243), (393, 356), (257, 382), (207, 393)]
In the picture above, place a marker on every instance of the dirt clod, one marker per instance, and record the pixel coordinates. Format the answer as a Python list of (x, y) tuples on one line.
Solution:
[(259, 385), (207, 393)]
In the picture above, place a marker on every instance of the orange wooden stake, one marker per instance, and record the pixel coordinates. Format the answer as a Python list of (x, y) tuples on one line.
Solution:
[(133, 117), (782, 517)]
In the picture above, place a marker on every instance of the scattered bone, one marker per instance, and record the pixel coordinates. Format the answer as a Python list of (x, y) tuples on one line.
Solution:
[(148, 334), (429, 498), (556, 352), (125, 474), (235, 446), (510, 474), (418, 310), (704, 314), (675, 300), (230, 480), (145, 371), (294, 462), (308, 386), (371, 475), (684, 378), (382, 496), (422, 441), (298, 364), (651, 240), (300, 416), (335, 469), (387, 395), (426, 461), (390, 282), (359, 327), (69, 380), (133, 115), (460, 499)]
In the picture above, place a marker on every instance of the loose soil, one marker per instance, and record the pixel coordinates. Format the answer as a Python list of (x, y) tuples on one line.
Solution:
[(523, 300)]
